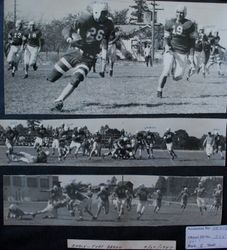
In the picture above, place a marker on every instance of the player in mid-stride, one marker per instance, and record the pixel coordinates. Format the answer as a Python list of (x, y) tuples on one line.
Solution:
[(88, 34), (179, 45)]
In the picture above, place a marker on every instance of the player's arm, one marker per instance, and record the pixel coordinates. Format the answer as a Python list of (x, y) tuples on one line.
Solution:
[(104, 56), (168, 35), (40, 41), (10, 37), (221, 47), (204, 142)]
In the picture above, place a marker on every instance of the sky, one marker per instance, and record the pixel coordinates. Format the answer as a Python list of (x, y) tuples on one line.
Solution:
[(194, 127), (205, 14)]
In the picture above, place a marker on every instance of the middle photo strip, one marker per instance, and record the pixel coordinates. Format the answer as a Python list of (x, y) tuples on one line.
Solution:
[(114, 142)]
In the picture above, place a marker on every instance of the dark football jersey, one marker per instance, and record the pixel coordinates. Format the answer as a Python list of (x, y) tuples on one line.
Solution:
[(16, 37), (103, 195), (41, 132), (150, 138), (168, 137), (11, 135), (121, 192), (79, 136), (41, 157), (200, 192), (33, 37), (91, 32), (182, 34), (56, 134), (142, 194)]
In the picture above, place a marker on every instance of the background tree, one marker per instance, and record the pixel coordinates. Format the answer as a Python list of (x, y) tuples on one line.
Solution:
[(137, 14), (120, 17)]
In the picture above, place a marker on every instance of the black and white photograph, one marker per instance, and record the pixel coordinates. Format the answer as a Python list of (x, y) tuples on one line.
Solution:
[(114, 142), (114, 57), (104, 200)]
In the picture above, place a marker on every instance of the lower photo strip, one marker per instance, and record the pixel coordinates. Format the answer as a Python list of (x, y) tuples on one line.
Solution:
[(112, 200)]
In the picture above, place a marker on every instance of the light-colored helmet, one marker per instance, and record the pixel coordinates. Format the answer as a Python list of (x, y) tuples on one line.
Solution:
[(97, 9), (219, 186), (168, 130), (31, 23), (18, 23), (181, 9)]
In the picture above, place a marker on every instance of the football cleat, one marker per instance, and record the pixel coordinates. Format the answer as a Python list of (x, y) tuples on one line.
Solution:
[(159, 94), (111, 73), (35, 67), (102, 74), (25, 76), (13, 74), (58, 106)]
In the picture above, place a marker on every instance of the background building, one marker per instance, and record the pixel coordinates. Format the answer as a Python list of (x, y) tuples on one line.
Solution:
[(27, 188)]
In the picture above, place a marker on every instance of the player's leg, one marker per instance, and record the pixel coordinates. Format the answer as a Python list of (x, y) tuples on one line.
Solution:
[(168, 60), (219, 64), (67, 62), (181, 64), (79, 74), (33, 59), (27, 55), (138, 210), (94, 149), (211, 62), (12, 58)]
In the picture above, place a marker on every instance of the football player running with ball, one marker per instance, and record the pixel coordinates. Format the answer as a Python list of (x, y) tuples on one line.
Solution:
[(33, 46), (179, 47), (87, 34)]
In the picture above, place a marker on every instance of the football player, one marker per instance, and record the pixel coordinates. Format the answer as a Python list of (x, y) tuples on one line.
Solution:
[(17, 213), (16, 41), (87, 34), (183, 196), (40, 157), (216, 50), (55, 143), (140, 141), (11, 136), (142, 193), (217, 144), (168, 138), (103, 201), (149, 142), (209, 144), (41, 132), (96, 146), (179, 38), (56, 201), (217, 194), (121, 193), (158, 200), (200, 193), (33, 46), (77, 139), (201, 55)]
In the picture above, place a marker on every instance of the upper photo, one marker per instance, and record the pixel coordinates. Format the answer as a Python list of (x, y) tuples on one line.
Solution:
[(114, 57)]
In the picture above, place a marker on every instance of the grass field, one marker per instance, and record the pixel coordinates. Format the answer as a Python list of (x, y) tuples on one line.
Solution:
[(169, 214), (185, 158), (132, 90)]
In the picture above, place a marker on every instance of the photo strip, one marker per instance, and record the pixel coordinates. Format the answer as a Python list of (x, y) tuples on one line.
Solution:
[(170, 62), (114, 142), (105, 200)]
